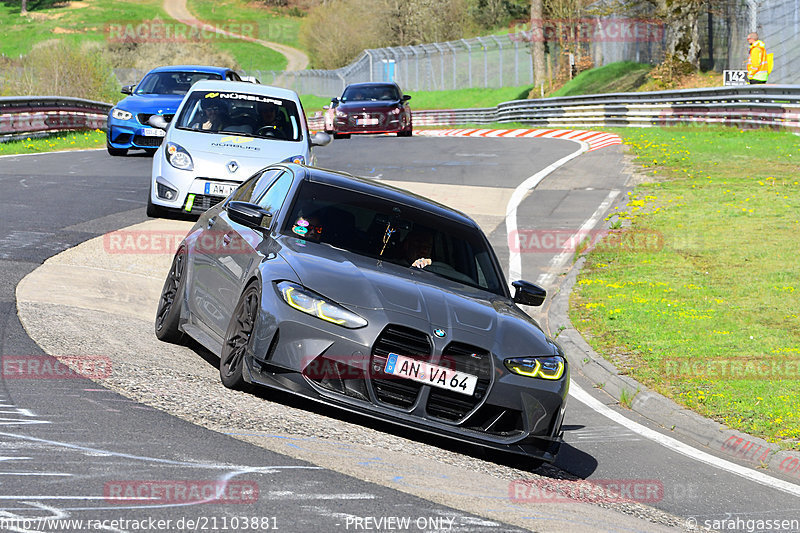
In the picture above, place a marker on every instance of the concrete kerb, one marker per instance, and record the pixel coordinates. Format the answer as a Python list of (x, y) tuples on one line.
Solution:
[(661, 410)]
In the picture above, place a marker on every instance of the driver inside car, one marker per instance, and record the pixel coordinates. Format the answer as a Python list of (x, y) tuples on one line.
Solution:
[(271, 121), (417, 248), (211, 117)]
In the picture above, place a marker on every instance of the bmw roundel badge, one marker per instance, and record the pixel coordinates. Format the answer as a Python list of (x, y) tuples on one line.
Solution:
[(439, 332)]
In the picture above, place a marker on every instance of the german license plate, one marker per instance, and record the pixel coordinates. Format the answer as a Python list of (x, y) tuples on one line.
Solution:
[(367, 121), (430, 374), (154, 132), (219, 189)]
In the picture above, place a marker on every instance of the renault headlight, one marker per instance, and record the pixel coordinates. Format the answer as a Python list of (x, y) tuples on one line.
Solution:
[(178, 157), (313, 304), (298, 159), (546, 367), (121, 114)]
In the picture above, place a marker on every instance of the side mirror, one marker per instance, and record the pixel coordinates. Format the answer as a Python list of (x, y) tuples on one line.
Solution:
[(158, 121), (320, 139), (334, 101), (127, 89), (406, 97), (528, 293), (251, 215)]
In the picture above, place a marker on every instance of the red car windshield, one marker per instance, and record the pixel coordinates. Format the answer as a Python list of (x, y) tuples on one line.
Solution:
[(371, 93)]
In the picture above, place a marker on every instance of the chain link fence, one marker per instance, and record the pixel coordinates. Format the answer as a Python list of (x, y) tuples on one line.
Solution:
[(505, 60)]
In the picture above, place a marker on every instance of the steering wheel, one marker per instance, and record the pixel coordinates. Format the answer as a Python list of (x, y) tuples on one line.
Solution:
[(271, 131)]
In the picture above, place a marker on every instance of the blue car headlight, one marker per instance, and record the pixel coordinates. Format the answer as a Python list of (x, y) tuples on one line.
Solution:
[(178, 157), (544, 367), (121, 114), (305, 301), (299, 159)]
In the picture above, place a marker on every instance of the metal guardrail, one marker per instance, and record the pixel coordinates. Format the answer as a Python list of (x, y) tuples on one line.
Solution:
[(749, 106), (22, 115), (775, 106)]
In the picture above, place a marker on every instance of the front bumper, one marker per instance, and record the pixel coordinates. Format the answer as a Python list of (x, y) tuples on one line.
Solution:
[(371, 123), (130, 134), (341, 367), (186, 188)]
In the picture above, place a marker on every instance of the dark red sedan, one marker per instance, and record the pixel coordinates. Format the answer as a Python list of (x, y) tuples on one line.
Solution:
[(369, 108)]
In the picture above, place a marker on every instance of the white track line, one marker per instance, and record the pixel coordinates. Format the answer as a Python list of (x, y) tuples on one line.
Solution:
[(677, 446), (515, 272), (515, 258)]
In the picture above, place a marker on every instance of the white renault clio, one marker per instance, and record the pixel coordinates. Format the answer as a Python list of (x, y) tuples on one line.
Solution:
[(222, 133)]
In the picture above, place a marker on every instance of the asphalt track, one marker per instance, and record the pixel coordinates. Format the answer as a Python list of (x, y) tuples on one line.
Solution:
[(55, 201)]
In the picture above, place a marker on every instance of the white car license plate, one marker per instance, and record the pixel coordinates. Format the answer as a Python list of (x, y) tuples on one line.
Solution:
[(154, 132), (434, 375), (367, 121), (219, 189)]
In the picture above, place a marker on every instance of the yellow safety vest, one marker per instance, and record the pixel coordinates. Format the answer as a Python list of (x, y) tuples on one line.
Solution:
[(757, 67)]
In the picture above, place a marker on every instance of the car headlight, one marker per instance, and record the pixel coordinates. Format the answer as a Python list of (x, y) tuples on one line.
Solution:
[(121, 114), (395, 111), (299, 159), (178, 157), (547, 367), (313, 304), (341, 114)]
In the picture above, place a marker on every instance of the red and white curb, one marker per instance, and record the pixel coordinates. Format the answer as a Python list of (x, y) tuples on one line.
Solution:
[(595, 139)]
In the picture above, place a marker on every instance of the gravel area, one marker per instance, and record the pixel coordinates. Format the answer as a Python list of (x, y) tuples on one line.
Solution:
[(185, 383)]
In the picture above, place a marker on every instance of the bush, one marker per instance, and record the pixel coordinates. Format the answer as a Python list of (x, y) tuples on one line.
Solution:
[(148, 55), (59, 68), (336, 32)]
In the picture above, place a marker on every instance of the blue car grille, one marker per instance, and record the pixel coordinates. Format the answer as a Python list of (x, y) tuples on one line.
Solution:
[(150, 142), (144, 117)]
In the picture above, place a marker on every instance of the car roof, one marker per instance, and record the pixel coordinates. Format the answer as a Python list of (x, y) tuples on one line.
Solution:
[(246, 87), (382, 190), (373, 84), (192, 68)]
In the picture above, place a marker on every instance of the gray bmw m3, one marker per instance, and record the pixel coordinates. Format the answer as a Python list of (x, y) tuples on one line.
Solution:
[(366, 297)]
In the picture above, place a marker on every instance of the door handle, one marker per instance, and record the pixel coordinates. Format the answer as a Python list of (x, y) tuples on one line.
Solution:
[(226, 240), (212, 221)]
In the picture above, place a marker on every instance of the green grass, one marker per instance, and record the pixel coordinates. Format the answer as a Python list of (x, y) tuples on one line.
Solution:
[(268, 24), (623, 76), (61, 141), (461, 98), (720, 283), (80, 22)]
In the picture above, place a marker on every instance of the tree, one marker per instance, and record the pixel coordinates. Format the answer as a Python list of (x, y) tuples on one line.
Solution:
[(680, 19), (537, 41), (24, 9)]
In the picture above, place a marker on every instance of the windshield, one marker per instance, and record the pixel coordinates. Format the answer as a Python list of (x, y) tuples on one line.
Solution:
[(378, 228), (172, 82), (371, 93), (250, 115)]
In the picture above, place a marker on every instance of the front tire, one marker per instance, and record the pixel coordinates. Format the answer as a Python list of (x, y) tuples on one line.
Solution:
[(168, 314), (237, 337), (116, 152), (154, 211)]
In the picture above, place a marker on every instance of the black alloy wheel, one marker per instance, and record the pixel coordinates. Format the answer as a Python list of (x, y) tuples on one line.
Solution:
[(237, 338)]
